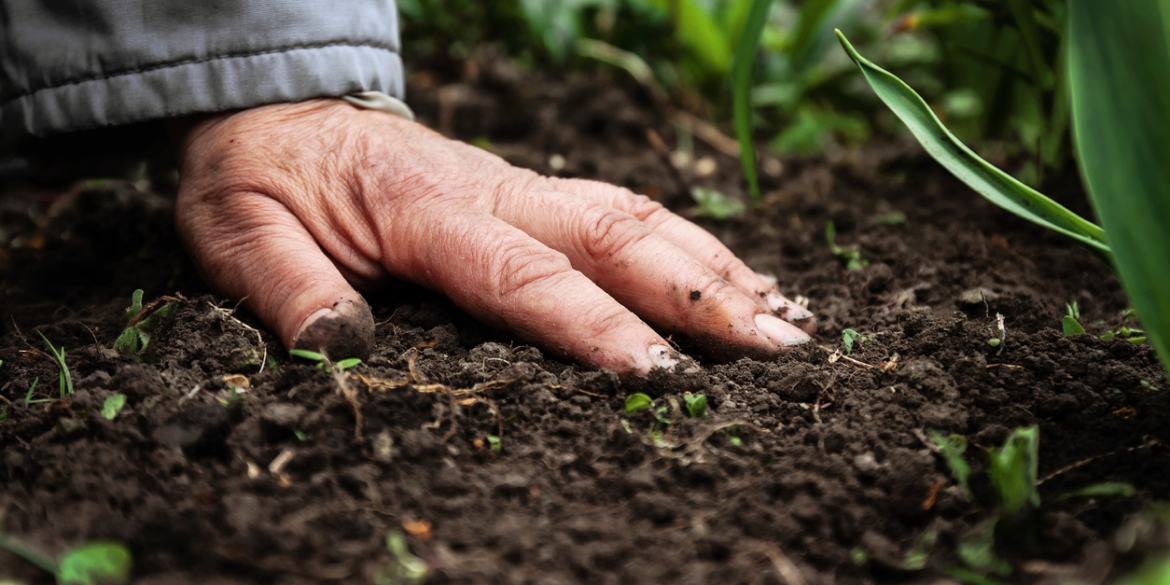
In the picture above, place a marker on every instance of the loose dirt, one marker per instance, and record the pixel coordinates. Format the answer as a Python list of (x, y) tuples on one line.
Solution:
[(499, 465)]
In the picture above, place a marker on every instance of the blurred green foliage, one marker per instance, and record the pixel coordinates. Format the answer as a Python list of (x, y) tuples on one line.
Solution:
[(991, 69)]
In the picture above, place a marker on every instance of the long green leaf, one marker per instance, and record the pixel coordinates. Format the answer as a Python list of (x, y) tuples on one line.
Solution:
[(990, 182), (699, 31), (1119, 75), (745, 56)]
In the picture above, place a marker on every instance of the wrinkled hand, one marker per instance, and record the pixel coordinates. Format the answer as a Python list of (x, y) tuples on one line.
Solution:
[(291, 206)]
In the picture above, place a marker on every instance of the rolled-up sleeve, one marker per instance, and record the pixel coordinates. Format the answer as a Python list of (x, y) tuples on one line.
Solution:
[(76, 65)]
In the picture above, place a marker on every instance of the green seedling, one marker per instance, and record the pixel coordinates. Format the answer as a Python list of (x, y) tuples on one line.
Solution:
[(494, 443), (637, 402), (1016, 509), (31, 388), (696, 404), (142, 323), (849, 337), (113, 405), (733, 437), (993, 342), (716, 205), (63, 375), (891, 218), (272, 364), (322, 361), (851, 255), (1071, 322), (1147, 384), (404, 568), (300, 435), (91, 563)]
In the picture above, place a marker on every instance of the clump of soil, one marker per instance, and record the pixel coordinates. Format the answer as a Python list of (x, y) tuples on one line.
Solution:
[(500, 465)]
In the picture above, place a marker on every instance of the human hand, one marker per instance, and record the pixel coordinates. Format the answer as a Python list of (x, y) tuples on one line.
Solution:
[(290, 206)]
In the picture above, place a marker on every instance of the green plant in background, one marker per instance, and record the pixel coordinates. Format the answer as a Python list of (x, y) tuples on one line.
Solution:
[(404, 567), (113, 405), (849, 337), (637, 402), (142, 323), (696, 405), (63, 375), (1119, 80), (91, 563)]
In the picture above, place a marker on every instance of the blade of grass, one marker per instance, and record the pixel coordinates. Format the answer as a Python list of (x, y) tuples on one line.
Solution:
[(745, 57), (993, 184), (1119, 76)]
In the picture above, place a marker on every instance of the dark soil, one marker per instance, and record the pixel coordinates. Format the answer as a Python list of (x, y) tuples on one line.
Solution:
[(833, 481)]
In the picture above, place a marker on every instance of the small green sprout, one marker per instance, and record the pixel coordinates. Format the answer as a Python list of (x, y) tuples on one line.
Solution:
[(696, 405), (637, 402), (142, 323), (113, 405), (1149, 386), (92, 563), (1070, 322), (952, 448), (732, 435), (322, 361), (625, 425), (404, 568), (716, 205), (494, 443), (849, 336), (993, 342), (31, 388), (300, 435), (891, 218), (65, 378), (272, 364), (850, 254)]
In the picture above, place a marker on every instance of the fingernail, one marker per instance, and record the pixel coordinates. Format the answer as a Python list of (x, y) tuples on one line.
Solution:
[(786, 308), (780, 332), (663, 356), (342, 331)]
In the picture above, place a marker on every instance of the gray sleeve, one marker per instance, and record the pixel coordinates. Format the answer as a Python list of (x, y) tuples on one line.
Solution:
[(70, 65)]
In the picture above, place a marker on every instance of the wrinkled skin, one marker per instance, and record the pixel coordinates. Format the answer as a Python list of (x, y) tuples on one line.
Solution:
[(292, 206)]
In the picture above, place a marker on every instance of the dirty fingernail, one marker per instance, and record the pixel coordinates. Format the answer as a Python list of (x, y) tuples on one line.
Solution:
[(786, 308), (780, 332), (342, 331), (663, 356)]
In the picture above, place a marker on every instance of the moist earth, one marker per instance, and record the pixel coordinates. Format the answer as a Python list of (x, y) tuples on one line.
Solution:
[(230, 463)]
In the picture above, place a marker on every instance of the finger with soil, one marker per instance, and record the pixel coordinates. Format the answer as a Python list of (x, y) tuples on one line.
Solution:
[(697, 242), (661, 283), (251, 247)]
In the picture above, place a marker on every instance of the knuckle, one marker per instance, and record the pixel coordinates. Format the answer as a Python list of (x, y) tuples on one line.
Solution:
[(521, 267), (609, 232)]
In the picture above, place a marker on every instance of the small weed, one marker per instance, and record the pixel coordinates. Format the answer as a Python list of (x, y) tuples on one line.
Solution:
[(404, 568), (716, 205), (142, 323), (65, 378), (1149, 386), (732, 435), (891, 218), (850, 254), (300, 435), (1130, 334), (322, 361), (91, 563), (1070, 323), (494, 443), (31, 388), (1016, 511), (272, 364), (113, 405), (849, 337), (637, 402), (696, 405)]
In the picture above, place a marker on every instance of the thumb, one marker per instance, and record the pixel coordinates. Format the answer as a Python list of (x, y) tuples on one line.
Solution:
[(251, 247)]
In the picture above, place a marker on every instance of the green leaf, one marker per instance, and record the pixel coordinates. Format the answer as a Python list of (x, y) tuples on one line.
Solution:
[(1071, 326), (848, 336), (977, 549), (113, 405), (1123, 490), (494, 443), (699, 32), (1119, 76), (1014, 470), (95, 563), (952, 448), (993, 184), (306, 354), (696, 405), (637, 402), (31, 388), (1155, 571), (135, 305), (745, 58), (716, 205), (348, 363)]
